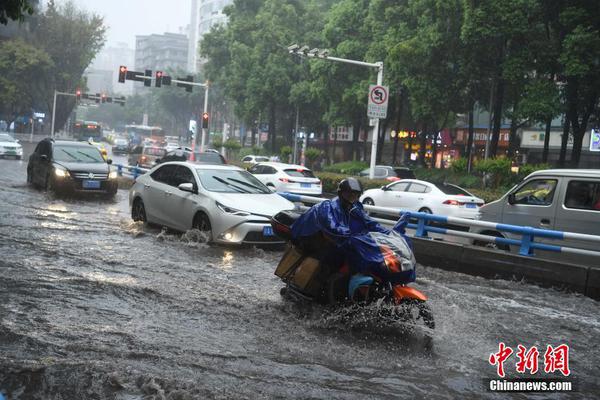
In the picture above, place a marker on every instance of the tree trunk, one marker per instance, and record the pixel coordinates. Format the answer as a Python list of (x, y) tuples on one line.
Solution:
[(333, 159), (423, 146), (546, 141), (470, 139), (577, 144), (272, 122), (580, 126), (513, 143), (564, 141), (399, 105), (498, 104), (381, 140)]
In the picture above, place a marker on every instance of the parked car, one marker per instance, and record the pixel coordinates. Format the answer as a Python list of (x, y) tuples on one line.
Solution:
[(389, 173), (251, 159), (226, 203), (170, 146), (64, 166), (10, 147), (565, 200), (120, 146), (145, 156), (422, 196), (287, 178), (185, 154)]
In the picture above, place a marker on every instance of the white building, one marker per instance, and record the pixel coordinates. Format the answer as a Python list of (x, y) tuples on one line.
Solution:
[(102, 74), (210, 14)]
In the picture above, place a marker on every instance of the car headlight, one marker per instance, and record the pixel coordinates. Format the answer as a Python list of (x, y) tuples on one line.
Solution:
[(113, 175), (61, 172), (229, 210)]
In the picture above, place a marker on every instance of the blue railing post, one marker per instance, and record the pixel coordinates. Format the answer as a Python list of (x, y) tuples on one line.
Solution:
[(526, 241), (119, 170), (136, 172), (421, 232)]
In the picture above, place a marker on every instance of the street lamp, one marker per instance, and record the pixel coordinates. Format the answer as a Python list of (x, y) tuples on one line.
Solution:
[(324, 54)]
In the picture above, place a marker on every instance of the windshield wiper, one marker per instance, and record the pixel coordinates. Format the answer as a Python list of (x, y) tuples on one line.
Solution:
[(88, 156), (239, 189), (247, 184), (69, 154)]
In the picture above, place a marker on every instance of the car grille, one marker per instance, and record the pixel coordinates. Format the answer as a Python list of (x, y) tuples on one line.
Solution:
[(259, 237), (86, 175)]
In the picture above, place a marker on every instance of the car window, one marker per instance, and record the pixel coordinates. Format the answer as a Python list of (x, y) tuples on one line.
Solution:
[(399, 187), (301, 173), (77, 154), (538, 192), (452, 190), (269, 170), (154, 151), (255, 169), (404, 173), (182, 175), (381, 172), (164, 174), (262, 159), (247, 159), (230, 181), (45, 148), (583, 195), (209, 158), (417, 188), (6, 138)]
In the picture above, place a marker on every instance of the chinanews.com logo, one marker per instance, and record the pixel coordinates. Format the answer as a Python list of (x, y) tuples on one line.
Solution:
[(555, 369)]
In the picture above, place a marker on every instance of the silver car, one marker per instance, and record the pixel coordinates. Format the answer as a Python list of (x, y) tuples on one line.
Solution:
[(225, 202)]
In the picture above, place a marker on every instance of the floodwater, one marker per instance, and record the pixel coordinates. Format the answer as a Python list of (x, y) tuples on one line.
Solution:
[(94, 306)]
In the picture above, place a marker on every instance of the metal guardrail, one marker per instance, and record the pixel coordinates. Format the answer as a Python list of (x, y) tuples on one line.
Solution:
[(133, 171), (527, 244)]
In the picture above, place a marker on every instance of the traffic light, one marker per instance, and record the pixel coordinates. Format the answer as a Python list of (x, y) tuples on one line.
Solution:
[(148, 82), (78, 95), (205, 120), (103, 98), (122, 73), (159, 76)]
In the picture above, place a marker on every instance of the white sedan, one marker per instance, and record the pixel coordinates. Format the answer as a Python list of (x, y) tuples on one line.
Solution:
[(415, 195), (225, 202), (289, 178), (9, 147)]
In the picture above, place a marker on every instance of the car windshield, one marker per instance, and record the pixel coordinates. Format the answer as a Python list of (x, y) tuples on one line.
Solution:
[(230, 181), (453, 190), (262, 159), (78, 154), (301, 173), (6, 138)]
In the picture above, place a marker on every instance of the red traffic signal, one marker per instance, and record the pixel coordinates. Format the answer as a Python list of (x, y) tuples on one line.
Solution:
[(103, 98), (78, 94), (205, 120), (122, 73), (159, 77)]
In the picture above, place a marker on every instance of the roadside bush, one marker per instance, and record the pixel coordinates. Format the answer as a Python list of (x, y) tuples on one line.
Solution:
[(348, 167), (489, 195), (246, 151), (285, 153), (459, 166), (330, 181), (495, 171), (311, 156)]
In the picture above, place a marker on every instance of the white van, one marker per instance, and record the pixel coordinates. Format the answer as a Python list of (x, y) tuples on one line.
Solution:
[(565, 200)]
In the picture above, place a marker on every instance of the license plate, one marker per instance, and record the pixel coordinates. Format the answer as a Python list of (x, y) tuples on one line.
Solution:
[(268, 231), (305, 185), (471, 205), (91, 184), (10, 153)]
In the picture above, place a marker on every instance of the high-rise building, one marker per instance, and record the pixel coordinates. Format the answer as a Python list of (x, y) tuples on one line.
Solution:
[(102, 74), (193, 38), (210, 14), (161, 52)]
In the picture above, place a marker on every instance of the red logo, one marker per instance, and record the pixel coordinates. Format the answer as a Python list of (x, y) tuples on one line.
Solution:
[(555, 359)]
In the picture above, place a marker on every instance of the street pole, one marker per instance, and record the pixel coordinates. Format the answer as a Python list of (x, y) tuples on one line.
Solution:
[(296, 134), (53, 114), (32, 127), (204, 130), (376, 127)]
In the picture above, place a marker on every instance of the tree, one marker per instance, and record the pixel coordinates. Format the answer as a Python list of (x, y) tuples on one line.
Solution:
[(15, 10), (72, 38), (23, 66)]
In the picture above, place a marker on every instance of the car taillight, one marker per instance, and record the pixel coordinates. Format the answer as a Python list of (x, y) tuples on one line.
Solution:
[(453, 203), (143, 158), (286, 180)]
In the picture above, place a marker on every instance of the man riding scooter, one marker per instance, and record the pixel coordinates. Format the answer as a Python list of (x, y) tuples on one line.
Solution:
[(343, 223)]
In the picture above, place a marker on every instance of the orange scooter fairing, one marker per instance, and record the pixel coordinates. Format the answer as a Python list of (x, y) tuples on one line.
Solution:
[(407, 292)]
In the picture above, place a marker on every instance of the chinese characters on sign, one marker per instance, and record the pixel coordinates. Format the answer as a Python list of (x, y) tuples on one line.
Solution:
[(556, 359), (595, 140)]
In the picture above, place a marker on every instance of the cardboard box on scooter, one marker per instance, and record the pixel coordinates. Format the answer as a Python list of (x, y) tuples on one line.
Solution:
[(300, 271)]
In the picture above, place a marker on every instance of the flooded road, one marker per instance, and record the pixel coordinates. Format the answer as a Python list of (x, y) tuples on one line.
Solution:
[(94, 306)]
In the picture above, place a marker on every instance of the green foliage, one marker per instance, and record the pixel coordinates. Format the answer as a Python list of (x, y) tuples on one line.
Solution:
[(311, 154), (232, 145), (217, 141), (330, 181), (14, 10), (348, 167), (284, 153), (459, 165)]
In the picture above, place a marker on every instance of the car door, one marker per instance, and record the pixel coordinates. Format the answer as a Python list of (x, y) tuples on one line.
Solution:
[(414, 197), (394, 196), (534, 205), (181, 205), (155, 197), (380, 173)]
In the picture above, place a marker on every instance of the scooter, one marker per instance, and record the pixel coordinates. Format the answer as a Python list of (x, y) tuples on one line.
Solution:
[(310, 273)]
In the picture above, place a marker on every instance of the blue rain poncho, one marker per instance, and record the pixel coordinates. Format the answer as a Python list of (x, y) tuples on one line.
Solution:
[(363, 241)]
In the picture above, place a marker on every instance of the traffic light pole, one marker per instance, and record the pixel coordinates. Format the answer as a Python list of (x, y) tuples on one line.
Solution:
[(204, 130), (324, 54)]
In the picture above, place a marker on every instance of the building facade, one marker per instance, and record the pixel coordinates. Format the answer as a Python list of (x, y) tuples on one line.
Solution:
[(102, 74), (210, 13), (161, 52)]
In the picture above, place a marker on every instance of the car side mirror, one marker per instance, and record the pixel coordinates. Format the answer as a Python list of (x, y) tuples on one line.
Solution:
[(109, 161), (44, 157), (512, 199), (384, 188), (187, 187)]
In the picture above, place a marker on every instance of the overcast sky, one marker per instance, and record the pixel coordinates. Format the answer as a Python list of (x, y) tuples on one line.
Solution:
[(127, 18)]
